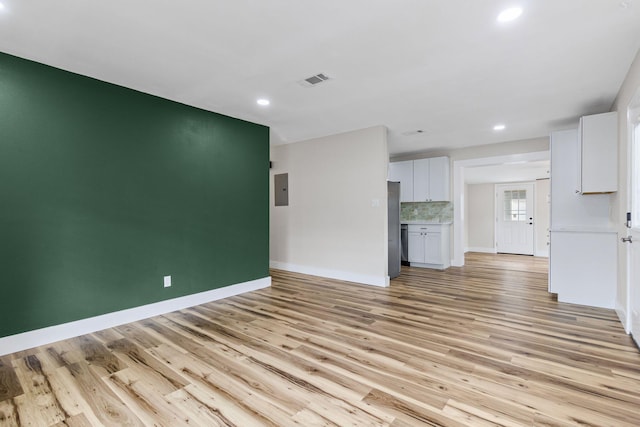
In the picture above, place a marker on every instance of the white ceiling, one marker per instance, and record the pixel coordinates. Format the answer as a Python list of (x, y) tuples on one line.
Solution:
[(443, 66)]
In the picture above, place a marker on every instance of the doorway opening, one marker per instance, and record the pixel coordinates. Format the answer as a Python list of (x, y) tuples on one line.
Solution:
[(463, 169)]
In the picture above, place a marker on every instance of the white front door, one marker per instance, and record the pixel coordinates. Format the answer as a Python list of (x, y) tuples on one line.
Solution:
[(514, 218), (634, 231)]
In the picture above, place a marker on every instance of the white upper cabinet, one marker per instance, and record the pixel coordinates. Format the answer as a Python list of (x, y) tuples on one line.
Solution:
[(424, 180), (402, 172), (598, 154), (431, 180)]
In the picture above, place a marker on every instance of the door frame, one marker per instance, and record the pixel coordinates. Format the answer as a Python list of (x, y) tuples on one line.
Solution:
[(632, 119), (459, 197), (497, 210)]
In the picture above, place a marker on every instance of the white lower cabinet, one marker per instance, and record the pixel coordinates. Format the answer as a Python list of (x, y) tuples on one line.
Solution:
[(583, 267), (429, 245)]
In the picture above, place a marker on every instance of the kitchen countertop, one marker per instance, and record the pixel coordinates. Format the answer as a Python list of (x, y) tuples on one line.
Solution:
[(418, 222), (585, 229)]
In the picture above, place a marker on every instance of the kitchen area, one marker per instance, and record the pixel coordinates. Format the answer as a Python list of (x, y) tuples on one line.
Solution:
[(581, 235), (421, 212)]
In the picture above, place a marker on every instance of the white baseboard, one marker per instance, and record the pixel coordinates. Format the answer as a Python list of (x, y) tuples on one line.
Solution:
[(332, 274), (38, 337), (622, 315), (483, 250), (543, 254)]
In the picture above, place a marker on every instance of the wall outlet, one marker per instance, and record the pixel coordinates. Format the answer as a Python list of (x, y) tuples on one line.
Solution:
[(167, 281)]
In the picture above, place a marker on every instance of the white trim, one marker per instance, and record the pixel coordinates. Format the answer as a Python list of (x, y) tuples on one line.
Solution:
[(542, 253), (459, 202), (39, 337), (459, 196), (625, 311), (621, 311), (482, 250), (347, 276)]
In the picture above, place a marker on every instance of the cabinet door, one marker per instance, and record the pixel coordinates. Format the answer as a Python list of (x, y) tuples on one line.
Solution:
[(583, 268), (416, 247), (598, 155), (421, 180), (402, 172), (439, 179), (433, 248)]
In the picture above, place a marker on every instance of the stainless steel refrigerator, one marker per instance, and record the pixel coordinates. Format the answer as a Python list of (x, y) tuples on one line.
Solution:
[(393, 205)]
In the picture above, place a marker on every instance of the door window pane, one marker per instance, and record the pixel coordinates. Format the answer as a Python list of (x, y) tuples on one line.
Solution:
[(515, 205)]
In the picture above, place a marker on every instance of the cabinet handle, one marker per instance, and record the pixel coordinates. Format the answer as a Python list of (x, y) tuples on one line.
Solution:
[(577, 191), (627, 239)]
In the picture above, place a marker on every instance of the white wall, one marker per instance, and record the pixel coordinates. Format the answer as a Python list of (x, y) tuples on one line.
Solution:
[(542, 217), (336, 222), (481, 218), (620, 200)]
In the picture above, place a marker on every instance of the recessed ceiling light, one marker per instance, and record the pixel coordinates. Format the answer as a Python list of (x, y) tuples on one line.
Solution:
[(2, 7), (509, 14), (263, 102), (499, 127)]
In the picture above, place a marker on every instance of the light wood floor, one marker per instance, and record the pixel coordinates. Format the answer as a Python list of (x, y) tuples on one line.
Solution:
[(473, 346)]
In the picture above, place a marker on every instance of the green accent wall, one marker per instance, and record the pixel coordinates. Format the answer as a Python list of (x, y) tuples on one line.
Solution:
[(105, 190)]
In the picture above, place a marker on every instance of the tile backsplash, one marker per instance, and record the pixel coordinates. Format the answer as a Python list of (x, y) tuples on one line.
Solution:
[(426, 211)]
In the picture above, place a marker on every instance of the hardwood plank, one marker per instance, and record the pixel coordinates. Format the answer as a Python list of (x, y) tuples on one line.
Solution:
[(143, 396), (475, 416), (409, 412), (199, 414), (134, 356), (107, 335), (110, 410), (39, 405), (10, 386), (229, 411), (103, 361), (9, 414), (67, 391), (239, 398), (136, 333), (79, 420)]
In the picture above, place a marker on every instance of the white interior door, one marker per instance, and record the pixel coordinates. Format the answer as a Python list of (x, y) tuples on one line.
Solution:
[(634, 231), (514, 218)]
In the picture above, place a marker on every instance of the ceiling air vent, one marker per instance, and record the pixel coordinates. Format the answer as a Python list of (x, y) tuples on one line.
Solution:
[(413, 132), (314, 80)]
